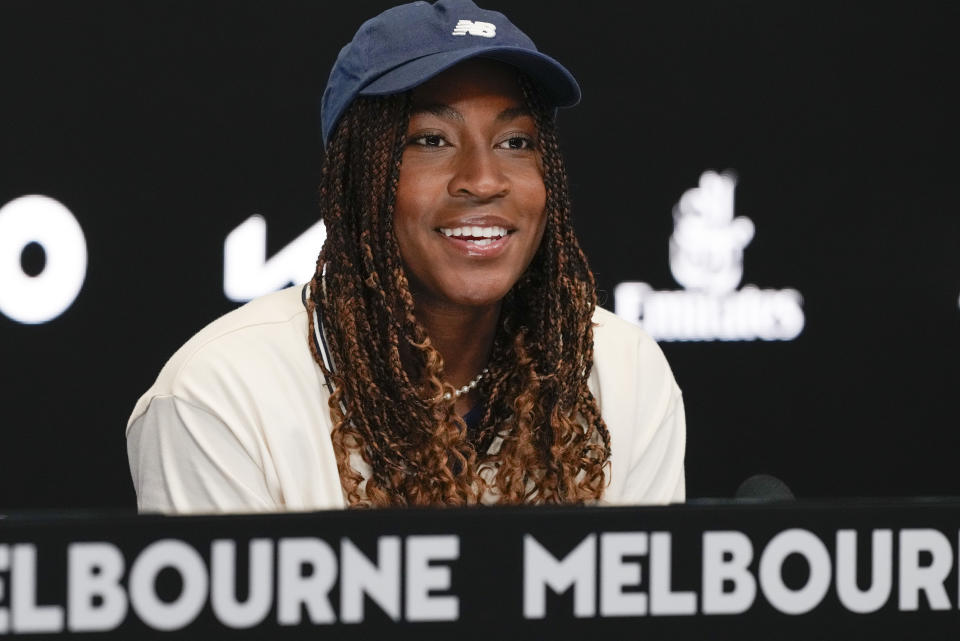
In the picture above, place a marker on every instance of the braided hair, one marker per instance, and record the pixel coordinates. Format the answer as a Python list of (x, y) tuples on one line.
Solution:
[(397, 440)]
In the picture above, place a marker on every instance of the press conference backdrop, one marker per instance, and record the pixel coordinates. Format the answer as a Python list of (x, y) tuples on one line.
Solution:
[(769, 188)]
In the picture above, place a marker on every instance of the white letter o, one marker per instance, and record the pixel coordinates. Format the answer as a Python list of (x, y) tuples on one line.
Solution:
[(806, 544), (45, 221), (153, 611)]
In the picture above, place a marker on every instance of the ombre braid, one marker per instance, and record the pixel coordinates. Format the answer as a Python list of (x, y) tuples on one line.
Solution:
[(541, 438)]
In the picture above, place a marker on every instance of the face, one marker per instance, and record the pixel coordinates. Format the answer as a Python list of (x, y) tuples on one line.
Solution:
[(469, 214)]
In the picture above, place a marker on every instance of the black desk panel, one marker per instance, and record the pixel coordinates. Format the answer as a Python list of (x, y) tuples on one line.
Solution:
[(843, 570)]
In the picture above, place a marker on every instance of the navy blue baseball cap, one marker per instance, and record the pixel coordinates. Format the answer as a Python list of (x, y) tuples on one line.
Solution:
[(405, 46)]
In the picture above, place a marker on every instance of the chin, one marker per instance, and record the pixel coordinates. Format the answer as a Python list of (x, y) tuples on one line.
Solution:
[(478, 294), (478, 299)]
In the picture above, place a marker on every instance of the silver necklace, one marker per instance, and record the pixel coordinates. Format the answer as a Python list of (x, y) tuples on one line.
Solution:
[(468, 387)]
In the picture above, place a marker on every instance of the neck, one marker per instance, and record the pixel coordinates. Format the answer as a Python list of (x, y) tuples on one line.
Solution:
[(463, 336)]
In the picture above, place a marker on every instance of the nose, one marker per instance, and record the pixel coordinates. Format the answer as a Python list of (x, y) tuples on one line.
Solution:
[(478, 174)]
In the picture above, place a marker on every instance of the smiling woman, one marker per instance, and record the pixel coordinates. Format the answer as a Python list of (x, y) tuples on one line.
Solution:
[(449, 349)]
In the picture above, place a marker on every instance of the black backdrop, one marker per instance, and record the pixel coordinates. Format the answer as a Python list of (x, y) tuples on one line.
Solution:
[(164, 125)]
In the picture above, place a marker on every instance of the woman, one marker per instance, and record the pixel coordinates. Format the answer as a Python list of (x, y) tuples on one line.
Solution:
[(448, 349)]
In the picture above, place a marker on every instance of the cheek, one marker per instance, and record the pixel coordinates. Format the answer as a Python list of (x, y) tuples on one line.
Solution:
[(536, 201), (418, 188), (405, 215), (408, 243)]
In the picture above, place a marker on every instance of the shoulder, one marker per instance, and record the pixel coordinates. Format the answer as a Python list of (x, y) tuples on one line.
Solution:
[(238, 419), (608, 327), (247, 347), (623, 349)]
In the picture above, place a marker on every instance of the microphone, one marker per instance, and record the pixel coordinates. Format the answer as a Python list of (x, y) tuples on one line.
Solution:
[(763, 488), (759, 488)]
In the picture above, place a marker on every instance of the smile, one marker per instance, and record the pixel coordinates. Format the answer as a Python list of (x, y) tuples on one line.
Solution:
[(474, 234)]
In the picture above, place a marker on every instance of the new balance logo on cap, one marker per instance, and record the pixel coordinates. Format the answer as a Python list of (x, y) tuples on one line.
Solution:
[(405, 46), (483, 29)]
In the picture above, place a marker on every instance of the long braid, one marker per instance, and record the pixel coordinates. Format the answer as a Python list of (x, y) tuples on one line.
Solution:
[(553, 443)]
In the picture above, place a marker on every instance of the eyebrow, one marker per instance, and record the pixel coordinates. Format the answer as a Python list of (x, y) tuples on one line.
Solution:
[(512, 113), (440, 110), (449, 113)]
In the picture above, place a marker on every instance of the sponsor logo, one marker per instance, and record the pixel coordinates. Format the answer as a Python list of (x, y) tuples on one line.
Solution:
[(469, 27), (45, 224), (247, 273), (706, 259)]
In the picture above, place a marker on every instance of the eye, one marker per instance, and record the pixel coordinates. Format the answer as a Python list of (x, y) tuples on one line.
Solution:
[(517, 141), (429, 140)]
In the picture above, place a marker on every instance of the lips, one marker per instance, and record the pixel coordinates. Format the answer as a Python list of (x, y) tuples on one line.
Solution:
[(476, 240), (478, 235)]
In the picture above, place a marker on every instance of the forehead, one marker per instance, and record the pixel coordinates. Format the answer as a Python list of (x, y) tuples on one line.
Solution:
[(475, 78)]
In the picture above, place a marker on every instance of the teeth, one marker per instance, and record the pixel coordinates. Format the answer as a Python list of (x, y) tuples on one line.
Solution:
[(475, 231)]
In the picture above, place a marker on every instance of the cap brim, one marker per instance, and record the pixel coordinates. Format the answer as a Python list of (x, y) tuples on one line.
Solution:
[(559, 83)]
